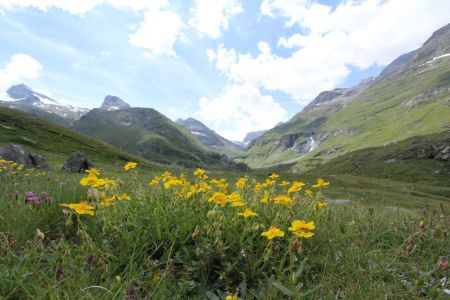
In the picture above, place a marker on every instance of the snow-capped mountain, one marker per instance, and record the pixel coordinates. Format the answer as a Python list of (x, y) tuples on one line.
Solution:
[(23, 97)]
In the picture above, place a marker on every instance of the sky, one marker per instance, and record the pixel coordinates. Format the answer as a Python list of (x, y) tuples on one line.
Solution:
[(236, 65)]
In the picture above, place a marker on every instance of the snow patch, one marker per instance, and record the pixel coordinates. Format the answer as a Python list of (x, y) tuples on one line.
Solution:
[(198, 133), (437, 57)]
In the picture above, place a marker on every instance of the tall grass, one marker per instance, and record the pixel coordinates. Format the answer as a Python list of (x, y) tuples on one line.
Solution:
[(161, 245)]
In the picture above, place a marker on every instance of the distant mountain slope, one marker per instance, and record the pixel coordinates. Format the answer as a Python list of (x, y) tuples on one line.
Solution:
[(26, 99), (55, 142), (151, 135), (210, 138), (412, 99), (424, 159), (251, 136)]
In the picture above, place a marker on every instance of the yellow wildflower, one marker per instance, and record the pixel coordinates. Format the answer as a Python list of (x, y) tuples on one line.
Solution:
[(282, 199), (320, 204), (219, 198), (171, 182), (130, 165), (240, 184), (82, 208), (104, 183), (238, 203), (247, 213), (309, 193), (166, 174), (124, 196), (274, 176), (258, 186), (108, 201), (268, 183), (231, 297), (302, 229), (265, 198), (93, 172), (321, 183), (284, 183), (273, 232), (89, 180), (156, 277), (155, 181), (296, 186), (234, 197), (214, 181), (200, 173)]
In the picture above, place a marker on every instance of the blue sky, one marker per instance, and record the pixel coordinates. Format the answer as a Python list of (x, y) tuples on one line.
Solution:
[(238, 66)]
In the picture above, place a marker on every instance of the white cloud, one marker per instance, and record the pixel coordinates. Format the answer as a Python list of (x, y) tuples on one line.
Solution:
[(81, 7), (20, 66), (239, 109), (329, 43), (210, 17), (158, 32), (301, 75)]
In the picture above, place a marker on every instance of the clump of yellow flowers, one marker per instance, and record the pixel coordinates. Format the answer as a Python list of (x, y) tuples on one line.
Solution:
[(250, 198)]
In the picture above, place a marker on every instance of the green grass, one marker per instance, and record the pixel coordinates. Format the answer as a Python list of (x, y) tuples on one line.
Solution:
[(56, 143), (160, 246)]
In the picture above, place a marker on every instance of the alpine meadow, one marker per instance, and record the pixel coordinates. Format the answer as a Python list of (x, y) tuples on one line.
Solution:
[(264, 149)]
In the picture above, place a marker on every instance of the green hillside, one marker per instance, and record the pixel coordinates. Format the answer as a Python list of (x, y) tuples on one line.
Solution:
[(413, 101), (55, 142), (419, 159), (147, 133), (38, 112)]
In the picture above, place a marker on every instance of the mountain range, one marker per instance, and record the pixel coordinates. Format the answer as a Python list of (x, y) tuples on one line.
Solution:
[(210, 138), (410, 98)]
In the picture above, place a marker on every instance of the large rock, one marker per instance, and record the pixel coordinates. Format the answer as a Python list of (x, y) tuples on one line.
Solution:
[(77, 162), (21, 156), (38, 161)]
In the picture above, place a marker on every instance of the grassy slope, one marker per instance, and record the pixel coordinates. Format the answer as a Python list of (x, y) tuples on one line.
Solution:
[(377, 116), (398, 161), (55, 142)]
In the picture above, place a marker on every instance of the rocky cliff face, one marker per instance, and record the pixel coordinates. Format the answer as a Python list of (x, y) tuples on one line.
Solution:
[(114, 103)]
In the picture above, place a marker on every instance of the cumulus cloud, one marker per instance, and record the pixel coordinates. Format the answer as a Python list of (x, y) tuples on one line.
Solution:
[(330, 43), (20, 66), (211, 17), (157, 33), (239, 109)]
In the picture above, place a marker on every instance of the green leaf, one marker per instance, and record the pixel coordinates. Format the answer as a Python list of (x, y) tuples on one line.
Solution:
[(282, 288)]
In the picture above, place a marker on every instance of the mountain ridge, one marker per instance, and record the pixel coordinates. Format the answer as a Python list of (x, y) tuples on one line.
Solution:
[(209, 137), (412, 100)]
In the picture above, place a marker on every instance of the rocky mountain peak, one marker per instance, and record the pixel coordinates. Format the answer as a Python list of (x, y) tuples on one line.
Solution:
[(22, 92), (193, 125), (114, 103)]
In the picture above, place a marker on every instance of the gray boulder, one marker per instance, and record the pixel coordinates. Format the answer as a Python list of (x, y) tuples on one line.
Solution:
[(77, 162), (21, 156)]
